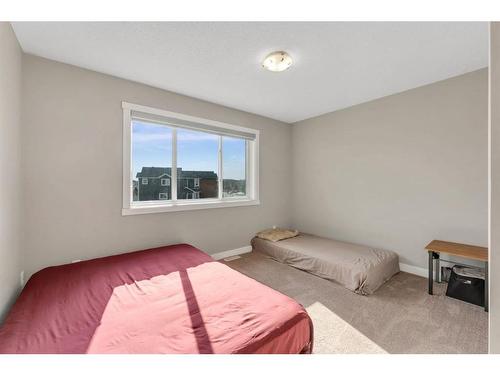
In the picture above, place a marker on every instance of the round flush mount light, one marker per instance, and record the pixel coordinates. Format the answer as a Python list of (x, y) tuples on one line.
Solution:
[(277, 61)]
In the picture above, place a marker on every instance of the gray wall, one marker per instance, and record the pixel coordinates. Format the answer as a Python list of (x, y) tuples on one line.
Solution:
[(495, 188), (399, 171), (72, 170), (10, 159)]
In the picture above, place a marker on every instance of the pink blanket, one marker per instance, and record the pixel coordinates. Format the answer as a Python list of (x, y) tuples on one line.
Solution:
[(173, 299)]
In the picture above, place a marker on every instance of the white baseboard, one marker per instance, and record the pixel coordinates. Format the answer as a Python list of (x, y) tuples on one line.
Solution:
[(419, 271), (230, 253)]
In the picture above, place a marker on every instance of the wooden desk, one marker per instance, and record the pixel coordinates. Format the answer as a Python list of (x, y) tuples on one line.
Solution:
[(435, 248)]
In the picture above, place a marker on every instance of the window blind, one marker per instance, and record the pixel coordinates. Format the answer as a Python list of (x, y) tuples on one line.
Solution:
[(192, 125)]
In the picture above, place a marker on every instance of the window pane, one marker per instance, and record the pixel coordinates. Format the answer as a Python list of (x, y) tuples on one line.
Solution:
[(151, 161), (197, 165), (234, 167)]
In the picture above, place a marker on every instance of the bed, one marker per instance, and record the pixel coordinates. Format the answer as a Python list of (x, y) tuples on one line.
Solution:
[(173, 299), (359, 268)]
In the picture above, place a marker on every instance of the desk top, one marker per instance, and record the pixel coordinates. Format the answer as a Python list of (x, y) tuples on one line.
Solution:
[(458, 249)]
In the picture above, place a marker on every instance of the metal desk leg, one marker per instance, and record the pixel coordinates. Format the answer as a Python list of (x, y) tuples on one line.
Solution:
[(486, 287), (438, 268), (431, 264)]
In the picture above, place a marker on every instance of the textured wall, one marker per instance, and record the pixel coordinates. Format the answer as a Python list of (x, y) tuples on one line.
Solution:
[(399, 171), (72, 170), (10, 159)]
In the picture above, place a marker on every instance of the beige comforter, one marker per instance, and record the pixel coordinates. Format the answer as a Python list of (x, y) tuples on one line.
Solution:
[(359, 268)]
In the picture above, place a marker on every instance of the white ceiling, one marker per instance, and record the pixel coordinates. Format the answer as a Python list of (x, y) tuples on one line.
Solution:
[(336, 64)]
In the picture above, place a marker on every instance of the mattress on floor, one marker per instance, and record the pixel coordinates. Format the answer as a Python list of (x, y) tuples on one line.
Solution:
[(174, 299), (359, 268)]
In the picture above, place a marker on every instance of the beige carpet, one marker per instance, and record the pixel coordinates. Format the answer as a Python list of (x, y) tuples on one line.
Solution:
[(399, 318)]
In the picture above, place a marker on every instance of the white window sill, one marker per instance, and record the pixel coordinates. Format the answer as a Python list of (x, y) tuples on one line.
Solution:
[(148, 208)]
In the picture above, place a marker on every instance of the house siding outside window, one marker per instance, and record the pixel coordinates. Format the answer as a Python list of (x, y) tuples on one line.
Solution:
[(187, 188)]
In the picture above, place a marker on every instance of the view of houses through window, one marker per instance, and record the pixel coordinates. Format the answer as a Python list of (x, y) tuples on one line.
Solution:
[(197, 163), (233, 166)]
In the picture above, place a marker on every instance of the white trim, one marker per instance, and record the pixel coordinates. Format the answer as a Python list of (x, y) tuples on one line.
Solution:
[(253, 167), (161, 112), (252, 161), (248, 187), (419, 271), (220, 180), (127, 193), (230, 253), (186, 205), (173, 183)]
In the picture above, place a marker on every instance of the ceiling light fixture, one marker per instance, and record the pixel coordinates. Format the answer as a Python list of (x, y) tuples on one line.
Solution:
[(277, 61)]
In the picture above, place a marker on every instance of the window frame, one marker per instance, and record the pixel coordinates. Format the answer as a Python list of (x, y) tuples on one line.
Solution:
[(131, 207)]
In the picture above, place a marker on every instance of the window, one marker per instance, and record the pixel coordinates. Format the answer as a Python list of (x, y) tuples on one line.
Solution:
[(234, 167), (197, 158), (151, 148), (174, 162)]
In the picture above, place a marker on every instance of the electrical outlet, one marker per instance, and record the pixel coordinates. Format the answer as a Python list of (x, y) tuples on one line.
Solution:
[(21, 278), (274, 226), (76, 261)]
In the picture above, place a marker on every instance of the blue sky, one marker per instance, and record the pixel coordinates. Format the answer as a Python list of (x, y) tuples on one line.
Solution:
[(152, 147)]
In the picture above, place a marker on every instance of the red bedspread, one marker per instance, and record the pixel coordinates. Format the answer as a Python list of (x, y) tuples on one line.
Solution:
[(173, 299)]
